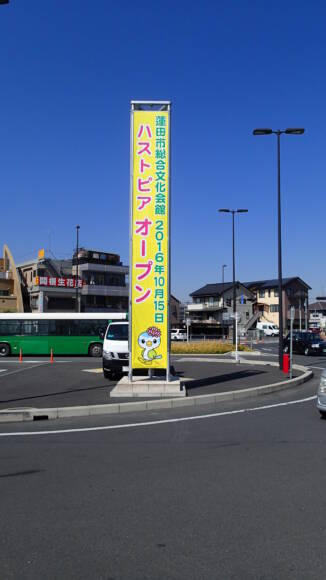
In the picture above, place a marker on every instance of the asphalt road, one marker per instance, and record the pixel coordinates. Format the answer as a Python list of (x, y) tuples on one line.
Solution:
[(80, 381), (238, 495), (269, 350)]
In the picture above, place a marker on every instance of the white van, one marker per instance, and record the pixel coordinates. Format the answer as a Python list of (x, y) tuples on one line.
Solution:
[(178, 334), (115, 350), (268, 328)]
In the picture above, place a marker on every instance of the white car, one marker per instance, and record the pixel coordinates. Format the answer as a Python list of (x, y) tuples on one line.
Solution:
[(178, 334), (321, 395)]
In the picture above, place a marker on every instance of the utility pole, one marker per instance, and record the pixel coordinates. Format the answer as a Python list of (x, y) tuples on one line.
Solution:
[(77, 305)]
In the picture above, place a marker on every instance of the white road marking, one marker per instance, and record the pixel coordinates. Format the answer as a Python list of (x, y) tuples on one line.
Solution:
[(159, 422), (2, 370), (319, 368), (100, 370)]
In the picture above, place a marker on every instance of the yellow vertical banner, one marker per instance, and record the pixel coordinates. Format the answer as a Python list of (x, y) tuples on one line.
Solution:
[(149, 277)]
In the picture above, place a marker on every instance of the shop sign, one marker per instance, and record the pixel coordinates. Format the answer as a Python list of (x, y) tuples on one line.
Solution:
[(58, 282)]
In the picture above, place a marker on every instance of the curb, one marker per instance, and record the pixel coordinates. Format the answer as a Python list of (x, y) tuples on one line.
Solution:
[(224, 354), (35, 414)]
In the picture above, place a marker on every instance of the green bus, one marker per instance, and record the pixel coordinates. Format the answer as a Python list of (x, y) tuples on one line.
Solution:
[(63, 333)]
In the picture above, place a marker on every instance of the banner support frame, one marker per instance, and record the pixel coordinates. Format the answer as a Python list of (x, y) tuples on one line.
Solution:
[(148, 106)]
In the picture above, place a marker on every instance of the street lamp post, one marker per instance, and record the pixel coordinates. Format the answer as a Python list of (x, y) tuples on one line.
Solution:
[(233, 211), (278, 133), (77, 305)]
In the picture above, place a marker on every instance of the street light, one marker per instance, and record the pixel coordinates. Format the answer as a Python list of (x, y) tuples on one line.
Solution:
[(278, 133), (233, 211), (77, 306)]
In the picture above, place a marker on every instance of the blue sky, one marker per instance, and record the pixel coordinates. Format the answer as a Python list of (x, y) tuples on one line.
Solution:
[(68, 71)]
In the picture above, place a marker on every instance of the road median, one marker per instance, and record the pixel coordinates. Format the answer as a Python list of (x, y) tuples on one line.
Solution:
[(39, 414)]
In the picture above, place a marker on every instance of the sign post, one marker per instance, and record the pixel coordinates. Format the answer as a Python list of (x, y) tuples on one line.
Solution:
[(292, 313), (149, 280), (188, 325), (236, 317)]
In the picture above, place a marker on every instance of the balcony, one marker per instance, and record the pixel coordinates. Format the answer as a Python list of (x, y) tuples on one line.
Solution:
[(203, 321), (6, 275), (102, 290), (204, 306)]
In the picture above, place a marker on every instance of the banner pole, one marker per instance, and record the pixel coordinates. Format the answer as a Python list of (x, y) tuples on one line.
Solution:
[(130, 237), (168, 378)]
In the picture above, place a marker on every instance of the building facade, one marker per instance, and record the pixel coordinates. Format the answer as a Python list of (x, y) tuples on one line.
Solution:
[(11, 299), (317, 315), (212, 305), (211, 309), (294, 294), (104, 281), (52, 286)]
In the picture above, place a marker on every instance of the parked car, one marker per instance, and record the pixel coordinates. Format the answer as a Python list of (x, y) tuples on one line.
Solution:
[(321, 395), (178, 334), (115, 350), (268, 328), (305, 343)]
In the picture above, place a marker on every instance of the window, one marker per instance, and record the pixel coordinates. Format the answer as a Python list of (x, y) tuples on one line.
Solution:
[(59, 327), (91, 327), (74, 327), (35, 327), (117, 332), (275, 293), (261, 293), (273, 308), (228, 302), (10, 327)]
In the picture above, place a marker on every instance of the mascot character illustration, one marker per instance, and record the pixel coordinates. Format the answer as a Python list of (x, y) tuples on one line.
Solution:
[(149, 341)]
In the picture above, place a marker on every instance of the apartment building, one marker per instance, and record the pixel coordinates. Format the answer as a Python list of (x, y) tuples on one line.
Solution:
[(212, 307), (294, 294)]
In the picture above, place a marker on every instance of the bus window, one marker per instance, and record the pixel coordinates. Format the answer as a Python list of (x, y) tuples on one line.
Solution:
[(35, 328), (10, 327), (88, 327), (59, 327)]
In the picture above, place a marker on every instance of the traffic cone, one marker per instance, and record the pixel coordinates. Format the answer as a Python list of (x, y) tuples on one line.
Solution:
[(20, 355), (51, 356)]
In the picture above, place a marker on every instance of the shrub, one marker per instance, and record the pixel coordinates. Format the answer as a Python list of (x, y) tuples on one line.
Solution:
[(204, 347)]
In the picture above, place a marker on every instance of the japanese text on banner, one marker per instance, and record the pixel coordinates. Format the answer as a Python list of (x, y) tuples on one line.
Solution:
[(149, 271)]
